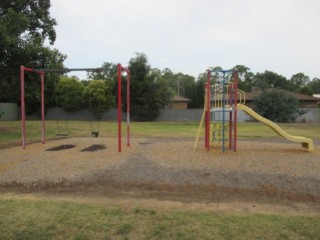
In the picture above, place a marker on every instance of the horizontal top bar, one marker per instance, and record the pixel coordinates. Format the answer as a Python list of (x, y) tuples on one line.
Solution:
[(64, 70), (28, 69), (123, 69), (222, 71), (32, 70)]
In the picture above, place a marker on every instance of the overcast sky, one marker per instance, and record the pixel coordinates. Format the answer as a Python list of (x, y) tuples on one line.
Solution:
[(189, 36)]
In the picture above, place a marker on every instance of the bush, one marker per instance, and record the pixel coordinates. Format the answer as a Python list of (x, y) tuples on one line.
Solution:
[(99, 96), (69, 94), (276, 105)]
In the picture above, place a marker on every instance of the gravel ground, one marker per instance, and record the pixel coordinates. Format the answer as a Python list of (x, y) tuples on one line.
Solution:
[(275, 165)]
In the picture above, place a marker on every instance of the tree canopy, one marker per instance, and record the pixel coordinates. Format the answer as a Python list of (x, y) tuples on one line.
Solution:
[(69, 94), (269, 79), (99, 97), (25, 27), (148, 96)]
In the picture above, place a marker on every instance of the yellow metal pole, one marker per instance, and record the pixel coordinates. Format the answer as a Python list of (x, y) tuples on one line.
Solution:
[(201, 121)]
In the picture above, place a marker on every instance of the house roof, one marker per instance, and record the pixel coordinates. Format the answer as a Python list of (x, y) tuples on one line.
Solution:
[(179, 99), (299, 96)]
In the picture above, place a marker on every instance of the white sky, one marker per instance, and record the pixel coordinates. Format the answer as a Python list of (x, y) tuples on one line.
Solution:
[(189, 36)]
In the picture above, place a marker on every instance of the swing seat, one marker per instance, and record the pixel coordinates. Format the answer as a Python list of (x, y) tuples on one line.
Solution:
[(95, 133), (62, 134)]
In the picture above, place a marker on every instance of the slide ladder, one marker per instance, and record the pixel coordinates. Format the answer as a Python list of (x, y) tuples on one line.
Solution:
[(305, 142)]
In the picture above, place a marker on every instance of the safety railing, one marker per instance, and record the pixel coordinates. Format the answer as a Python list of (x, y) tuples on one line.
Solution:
[(241, 97)]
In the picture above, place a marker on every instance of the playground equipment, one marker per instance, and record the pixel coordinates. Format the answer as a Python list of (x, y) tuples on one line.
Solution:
[(24, 69), (305, 142), (222, 100), (220, 110), (127, 71), (41, 73)]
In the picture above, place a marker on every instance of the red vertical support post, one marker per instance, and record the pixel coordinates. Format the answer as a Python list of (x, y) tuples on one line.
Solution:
[(43, 139), (119, 107), (208, 115), (23, 111), (207, 129), (231, 95), (235, 72), (128, 108)]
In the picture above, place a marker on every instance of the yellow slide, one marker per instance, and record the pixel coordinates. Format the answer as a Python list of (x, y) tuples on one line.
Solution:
[(305, 142)]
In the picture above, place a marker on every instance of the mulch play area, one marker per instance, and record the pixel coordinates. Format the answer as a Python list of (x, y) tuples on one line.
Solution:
[(163, 168)]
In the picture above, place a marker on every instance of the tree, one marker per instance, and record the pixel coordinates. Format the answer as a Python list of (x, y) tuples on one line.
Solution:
[(200, 90), (25, 26), (190, 90), (270, 79), (170, 78), (109, 72), (164, 91), (69, 94), (299, 81), (148, 94), (315, 85), (98, 95), (181, 84), (245, 78), (276, 105), (215, 74), (306, 90)]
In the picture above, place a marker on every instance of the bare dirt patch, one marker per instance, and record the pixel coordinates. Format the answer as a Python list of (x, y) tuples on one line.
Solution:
[(62, 147), (260, 175), (94, 147)]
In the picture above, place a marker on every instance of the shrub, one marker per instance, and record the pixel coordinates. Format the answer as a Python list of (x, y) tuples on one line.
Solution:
[(276, 105), (99, 96), (69, 94)]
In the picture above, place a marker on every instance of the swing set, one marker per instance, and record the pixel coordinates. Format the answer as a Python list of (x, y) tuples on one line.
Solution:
[(41, 73)]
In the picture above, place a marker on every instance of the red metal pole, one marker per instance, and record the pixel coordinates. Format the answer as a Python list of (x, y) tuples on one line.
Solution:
[(119, 107), (23, 112), (42, 108), (207, 134), (230, 114), (28, 69), (128, 108), (206, 119)]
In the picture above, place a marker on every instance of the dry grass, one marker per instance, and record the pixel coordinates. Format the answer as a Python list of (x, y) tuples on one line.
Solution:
[(34, 219)]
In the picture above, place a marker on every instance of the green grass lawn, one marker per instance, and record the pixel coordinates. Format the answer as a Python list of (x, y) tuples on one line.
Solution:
[(39, 219), (11, 130)]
